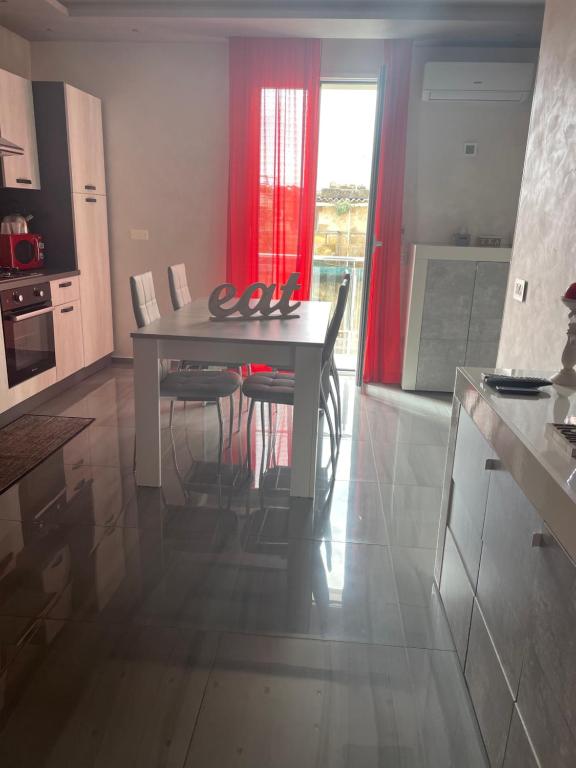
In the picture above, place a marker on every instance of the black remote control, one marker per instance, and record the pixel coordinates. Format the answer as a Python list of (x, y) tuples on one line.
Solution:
[(520, 382)]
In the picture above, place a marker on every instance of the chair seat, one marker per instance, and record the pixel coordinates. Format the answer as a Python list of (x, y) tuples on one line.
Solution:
[(273, 387), (199, 385)]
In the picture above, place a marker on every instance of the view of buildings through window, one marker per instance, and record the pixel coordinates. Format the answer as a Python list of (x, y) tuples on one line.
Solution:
[(347, 112)]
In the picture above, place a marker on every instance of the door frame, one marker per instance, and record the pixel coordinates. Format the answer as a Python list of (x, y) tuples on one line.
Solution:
[(371, 242), (379, 83)]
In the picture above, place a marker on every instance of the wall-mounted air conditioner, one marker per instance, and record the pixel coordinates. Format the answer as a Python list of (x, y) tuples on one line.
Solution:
[(477, 81)]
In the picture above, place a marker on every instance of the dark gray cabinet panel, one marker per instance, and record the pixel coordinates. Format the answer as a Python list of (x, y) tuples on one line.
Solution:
[(457, 596), (437, 363), (489, 691), (469, 492), (507, 571), (448, 299), (554, 625), (488, 301), (545, 722), (519, 753)]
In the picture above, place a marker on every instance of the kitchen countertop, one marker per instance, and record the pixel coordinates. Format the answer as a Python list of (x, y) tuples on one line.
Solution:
[(44, 276), (516, 428)]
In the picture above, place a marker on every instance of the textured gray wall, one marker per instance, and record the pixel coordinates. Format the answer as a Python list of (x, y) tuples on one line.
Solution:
[(533, 333)]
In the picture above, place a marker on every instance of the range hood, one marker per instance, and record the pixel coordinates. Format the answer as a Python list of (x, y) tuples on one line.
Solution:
[(8, 149)]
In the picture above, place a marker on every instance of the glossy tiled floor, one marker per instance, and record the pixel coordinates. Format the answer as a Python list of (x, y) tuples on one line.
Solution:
[(213, 623)]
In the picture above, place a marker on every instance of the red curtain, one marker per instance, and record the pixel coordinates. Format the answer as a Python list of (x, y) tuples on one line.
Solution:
[(383, 354), (274, 117)]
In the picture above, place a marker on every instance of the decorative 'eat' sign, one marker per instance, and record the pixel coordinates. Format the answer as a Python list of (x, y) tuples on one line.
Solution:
[(250, 307)]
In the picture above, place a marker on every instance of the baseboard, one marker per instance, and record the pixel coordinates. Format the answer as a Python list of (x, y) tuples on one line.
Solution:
[(426, 403), (31, 403), (125, 362)]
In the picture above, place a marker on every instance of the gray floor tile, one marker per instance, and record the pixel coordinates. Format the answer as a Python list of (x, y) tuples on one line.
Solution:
[(285, 703)]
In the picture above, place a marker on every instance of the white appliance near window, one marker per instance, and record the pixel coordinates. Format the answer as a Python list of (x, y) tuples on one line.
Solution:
[(456, 303), (478, 81)]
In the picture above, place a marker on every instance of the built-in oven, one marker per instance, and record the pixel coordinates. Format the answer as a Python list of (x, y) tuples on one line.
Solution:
[(28, 331)]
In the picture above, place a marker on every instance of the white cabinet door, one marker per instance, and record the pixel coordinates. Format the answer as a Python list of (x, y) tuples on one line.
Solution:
[(68, 341), (91, 233), (18, 126), (85, 141)]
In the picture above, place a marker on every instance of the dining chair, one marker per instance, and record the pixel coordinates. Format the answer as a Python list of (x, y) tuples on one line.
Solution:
[(181, 296), (178, 284), (277, 388), (183, 385)]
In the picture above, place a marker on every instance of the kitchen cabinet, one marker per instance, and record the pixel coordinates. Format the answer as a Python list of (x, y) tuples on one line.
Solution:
[(517, 651), (470, 479), (519, 753), (457, 595), (493, 702), (456, 303), (18, 126), (506, 578), (91, 234), (85, 141), (68, 341), (65, 290), (74, 219)]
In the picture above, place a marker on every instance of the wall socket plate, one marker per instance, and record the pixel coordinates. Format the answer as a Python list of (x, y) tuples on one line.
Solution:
[(519, 293), (139, 234)]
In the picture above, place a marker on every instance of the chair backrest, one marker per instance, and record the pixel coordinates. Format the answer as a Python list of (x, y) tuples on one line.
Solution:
[(144, 301), (336, 320), (179, 291)]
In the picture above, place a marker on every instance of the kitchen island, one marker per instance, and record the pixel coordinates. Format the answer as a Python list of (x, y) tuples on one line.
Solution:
[(506, 569)]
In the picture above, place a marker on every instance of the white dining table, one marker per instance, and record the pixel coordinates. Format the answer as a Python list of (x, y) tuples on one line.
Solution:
[(293, 343)]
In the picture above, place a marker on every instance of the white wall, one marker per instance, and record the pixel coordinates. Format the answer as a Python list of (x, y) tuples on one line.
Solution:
[(165, 112), (534, 333), (14, 53), (445, 190)]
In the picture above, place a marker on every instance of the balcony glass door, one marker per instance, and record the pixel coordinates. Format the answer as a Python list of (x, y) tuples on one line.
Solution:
[(347, 114)]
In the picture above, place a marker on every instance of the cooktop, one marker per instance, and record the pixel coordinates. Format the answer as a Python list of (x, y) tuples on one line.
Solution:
[(13, 274)]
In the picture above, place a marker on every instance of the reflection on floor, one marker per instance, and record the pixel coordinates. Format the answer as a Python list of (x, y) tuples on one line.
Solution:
[(213, 623)]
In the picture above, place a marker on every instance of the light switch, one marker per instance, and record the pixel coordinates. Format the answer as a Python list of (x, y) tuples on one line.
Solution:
[(519, 289), (139, 234)]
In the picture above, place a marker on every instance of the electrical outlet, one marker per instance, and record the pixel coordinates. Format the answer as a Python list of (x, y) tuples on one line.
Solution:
[(520, 290), (139, 234)]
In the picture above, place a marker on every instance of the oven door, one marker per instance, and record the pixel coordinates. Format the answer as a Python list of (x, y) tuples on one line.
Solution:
[(28, 342)]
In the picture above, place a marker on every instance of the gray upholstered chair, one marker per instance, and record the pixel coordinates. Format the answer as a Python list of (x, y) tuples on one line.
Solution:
[(178, 282), (278, 388), (183, 385), (180, 295)]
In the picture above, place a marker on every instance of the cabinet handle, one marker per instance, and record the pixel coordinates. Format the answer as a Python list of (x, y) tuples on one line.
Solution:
[(90, 187), (492, 464), (65, 285), (538, 540), (91, 200), (67, 309), (23, 181)]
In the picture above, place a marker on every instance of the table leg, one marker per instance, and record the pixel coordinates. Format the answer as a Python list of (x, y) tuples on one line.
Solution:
[(307, 370), (147, 407)]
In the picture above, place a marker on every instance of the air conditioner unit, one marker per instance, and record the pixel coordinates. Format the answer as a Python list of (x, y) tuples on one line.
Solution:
[(477, 81)]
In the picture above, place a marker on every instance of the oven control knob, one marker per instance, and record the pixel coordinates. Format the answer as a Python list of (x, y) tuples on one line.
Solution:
[(39, 292), (18, 297)]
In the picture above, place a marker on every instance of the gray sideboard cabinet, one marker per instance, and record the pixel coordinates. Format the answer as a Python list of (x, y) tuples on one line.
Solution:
[(507, 582)]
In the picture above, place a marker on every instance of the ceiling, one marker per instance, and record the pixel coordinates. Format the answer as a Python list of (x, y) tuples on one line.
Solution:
[(479, 21)]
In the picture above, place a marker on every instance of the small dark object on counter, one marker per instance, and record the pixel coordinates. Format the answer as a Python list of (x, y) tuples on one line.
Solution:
[(497, 380)]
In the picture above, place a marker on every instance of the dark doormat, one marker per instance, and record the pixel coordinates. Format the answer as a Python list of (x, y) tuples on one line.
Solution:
[(29, 440)]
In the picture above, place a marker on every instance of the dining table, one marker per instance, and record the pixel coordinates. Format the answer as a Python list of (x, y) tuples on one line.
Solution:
[(293, 343)]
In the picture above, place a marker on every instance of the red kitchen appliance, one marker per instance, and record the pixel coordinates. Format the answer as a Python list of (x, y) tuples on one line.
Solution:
[(23, 251)]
